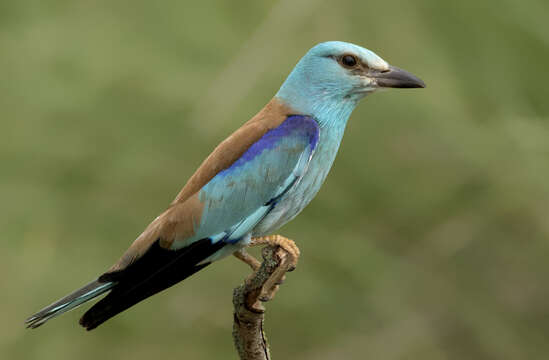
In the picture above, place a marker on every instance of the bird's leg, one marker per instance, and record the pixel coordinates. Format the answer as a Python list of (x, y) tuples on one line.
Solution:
[(248, 259), (289, 262)]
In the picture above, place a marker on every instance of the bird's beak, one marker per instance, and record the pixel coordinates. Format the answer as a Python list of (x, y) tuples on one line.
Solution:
[(395, 78)]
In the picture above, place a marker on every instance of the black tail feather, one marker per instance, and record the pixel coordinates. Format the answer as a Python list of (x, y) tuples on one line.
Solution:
[(155, 271)]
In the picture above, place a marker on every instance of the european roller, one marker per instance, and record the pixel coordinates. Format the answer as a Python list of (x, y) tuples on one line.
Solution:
[(255, 181)]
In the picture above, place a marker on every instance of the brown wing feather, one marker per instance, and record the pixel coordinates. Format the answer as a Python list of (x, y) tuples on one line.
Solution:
[(184, 213), (230, 149)]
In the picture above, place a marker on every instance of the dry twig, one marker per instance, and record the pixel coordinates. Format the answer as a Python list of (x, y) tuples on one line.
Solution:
[(248, 334)]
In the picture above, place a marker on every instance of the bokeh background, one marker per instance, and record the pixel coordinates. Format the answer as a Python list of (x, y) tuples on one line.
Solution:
[(429, 239)]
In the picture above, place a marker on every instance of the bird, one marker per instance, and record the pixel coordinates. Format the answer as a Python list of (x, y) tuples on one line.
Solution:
[(255, 181)]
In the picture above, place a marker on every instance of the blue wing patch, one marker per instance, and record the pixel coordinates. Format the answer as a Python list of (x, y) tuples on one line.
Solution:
[(237, 198)]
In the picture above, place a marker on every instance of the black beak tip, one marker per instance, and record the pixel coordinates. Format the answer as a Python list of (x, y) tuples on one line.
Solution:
[(418, 84), (398, 78)]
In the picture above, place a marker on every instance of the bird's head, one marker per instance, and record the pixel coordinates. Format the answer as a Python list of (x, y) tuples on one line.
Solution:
[(333, 76)]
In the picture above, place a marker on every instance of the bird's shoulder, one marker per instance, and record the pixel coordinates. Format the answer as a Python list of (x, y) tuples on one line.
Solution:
[(232, 148)]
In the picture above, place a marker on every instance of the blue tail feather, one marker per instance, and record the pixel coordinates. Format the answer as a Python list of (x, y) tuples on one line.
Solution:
[(69, 302)]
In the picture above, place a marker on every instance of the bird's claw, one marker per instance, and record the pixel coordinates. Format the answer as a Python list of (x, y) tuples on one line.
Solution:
[(286, 244), (287, 253)]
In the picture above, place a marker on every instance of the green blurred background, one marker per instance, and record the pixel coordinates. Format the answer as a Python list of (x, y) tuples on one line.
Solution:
[(429, 239)]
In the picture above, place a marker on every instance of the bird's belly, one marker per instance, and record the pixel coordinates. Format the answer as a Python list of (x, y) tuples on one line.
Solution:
[(299, 196)]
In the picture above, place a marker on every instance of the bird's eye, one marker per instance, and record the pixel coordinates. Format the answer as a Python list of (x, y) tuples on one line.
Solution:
[(349, 61)]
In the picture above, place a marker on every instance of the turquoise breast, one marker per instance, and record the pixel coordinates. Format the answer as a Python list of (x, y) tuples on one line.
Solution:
[(301, 194)]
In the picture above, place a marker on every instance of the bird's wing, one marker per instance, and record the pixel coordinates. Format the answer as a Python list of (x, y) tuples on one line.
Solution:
[(192, 232), (237, 198), (230, 191)]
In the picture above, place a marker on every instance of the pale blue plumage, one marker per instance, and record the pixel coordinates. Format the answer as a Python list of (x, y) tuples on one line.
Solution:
[(321, 87), (254, 184), (231, 198), (237, 199)]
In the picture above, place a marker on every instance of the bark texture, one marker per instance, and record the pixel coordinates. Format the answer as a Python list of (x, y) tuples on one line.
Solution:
[(248, 333)]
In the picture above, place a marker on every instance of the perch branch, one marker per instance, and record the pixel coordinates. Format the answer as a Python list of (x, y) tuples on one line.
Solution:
[(248, 334)]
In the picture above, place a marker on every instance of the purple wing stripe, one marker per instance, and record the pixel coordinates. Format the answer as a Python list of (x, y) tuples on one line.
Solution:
[(295, 125)]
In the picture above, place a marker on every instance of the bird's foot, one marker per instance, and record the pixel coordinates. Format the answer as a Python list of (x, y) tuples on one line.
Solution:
[(286, 244), (288, 263), (288, 257)]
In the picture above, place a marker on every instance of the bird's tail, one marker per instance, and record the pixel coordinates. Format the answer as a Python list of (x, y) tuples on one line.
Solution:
[(69, 302), (156, 270)]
